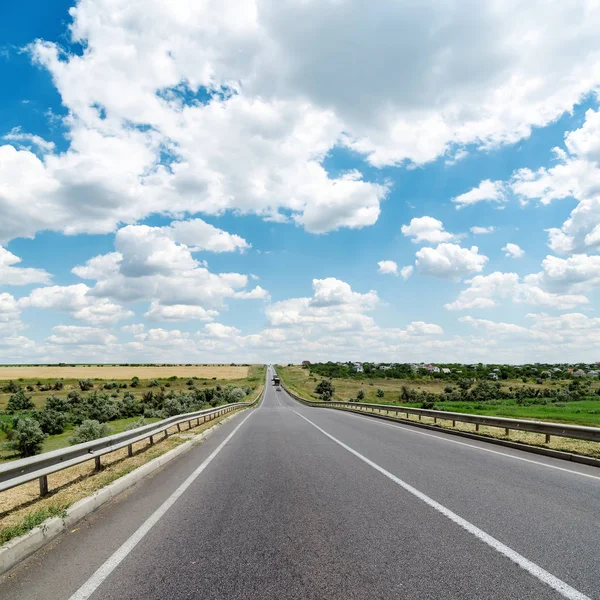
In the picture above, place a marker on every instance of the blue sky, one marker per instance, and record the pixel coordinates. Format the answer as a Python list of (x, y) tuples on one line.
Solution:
[(213, 183)]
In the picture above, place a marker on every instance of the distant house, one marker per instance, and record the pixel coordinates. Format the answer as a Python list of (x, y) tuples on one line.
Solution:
[(546, 374), (444, 370), (493, 376), (593, 373), (432, 369), (556, 370), (358, 368), (579, 373), (306, 363)]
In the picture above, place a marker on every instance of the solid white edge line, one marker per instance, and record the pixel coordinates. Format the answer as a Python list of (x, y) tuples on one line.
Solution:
[(446, 438), (92, 584), (533, 569)]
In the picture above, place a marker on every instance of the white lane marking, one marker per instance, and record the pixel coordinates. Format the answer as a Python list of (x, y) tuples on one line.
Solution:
[(92, 584), (541, 574), (445, 438)]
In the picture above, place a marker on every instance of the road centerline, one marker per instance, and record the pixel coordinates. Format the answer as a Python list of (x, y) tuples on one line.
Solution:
[(532, 568)]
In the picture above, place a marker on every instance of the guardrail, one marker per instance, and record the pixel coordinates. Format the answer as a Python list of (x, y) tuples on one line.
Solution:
[(579, 432), (24, 470)]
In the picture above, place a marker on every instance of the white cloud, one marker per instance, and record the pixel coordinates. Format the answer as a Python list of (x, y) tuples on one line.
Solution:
[(484, 290), (486, 191), (134, 329), (450, 261), (27, 140), (513, 251), (406, 272), (576, 175), (11, 275), (427, 230), (387, 267), (219, 330), (281, 100), (75, 335), (421, 328), (199, 235), (178, 312), (498, 329), (78, 302), (481, 230), (256, 293)]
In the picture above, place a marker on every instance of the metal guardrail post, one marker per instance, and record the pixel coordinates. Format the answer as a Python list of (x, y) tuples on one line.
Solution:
[(43, 485)]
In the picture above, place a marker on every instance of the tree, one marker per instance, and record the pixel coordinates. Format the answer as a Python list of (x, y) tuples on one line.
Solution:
[(135, 381), (55, 403), (28, 437), (380, 393), (51, 421), (361, 395), (464, 384), (11, 387), (325, 389), (89, 430), (19, 401)]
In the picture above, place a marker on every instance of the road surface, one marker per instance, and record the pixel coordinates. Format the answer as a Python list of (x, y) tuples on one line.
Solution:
[(286, 501)]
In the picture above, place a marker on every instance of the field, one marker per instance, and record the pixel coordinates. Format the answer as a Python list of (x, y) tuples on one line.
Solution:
[(583, 412), (123, 372)]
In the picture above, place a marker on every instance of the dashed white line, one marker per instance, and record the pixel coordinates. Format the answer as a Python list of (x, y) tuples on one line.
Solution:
[(532, 568)]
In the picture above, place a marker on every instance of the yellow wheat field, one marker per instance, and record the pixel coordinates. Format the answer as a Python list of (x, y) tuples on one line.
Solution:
[(117, 372)]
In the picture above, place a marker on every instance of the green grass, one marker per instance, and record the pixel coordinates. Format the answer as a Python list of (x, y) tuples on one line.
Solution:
[(31, 521), (582, 412)]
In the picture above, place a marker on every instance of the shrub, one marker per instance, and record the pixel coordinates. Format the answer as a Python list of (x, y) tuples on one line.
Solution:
[(10, 387), (99, 407), (361, 395), (19, 401), (58, 385), (89, 430), (86, 385), (51, 421), (235, 395), (30, 388), (172, 407), (28, 437), (380, 393), (129, 406), (153, 383), (135, 381), (325, 389), (111, 385)]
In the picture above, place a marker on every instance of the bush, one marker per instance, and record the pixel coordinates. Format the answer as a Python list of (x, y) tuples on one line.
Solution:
[(99, 407), (111, 385), (129, 406), (19, 401), (235, 395), (153, 383), (361, 395), (86, 385), (89, 430), (380, 393), (172, 408), (58, 385), (51, 421), (28, 437), (325, 389), (11, 387), (135, 381)]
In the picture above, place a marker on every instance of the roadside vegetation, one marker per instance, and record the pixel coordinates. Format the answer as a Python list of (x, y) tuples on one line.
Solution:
[(39, 415), (560, 397)]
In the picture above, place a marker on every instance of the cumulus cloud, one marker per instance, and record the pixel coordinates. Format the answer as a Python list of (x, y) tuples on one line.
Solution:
[(486, 191), (427, 230), (80, 336), (476, 230), (406, 272), (484, 290), (239, 112), (450, 261), (388, 267), (78, 302), (11, 275), (513, 250)]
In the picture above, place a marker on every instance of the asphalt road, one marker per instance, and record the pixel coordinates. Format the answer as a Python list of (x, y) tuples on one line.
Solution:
[(287, 501)]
